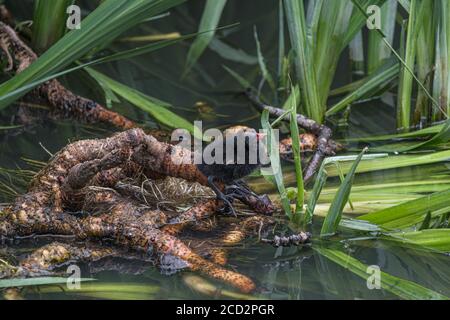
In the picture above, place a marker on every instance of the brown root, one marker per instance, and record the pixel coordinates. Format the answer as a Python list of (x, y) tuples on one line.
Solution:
[(324, 145), (54, 255), (83, 178), (62, 102), (236, 233), (96, 190)]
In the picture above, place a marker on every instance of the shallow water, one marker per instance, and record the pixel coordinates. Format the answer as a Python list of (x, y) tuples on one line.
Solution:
[(288, 273), (284, 273)]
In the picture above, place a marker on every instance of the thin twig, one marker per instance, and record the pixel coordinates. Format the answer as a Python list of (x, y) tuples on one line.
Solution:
[(325, 146)]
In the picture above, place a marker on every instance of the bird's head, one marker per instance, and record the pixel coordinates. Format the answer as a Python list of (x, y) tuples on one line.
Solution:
[(243, 131), (247, 137)]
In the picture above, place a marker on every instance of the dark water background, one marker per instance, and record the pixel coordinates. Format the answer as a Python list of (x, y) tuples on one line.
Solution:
[(294, 273)]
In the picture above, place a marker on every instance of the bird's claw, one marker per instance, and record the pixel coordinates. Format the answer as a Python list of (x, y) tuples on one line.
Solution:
[(239, 190), (228, 208)]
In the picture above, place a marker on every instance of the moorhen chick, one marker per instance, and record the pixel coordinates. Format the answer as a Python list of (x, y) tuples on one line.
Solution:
[(232, 167)]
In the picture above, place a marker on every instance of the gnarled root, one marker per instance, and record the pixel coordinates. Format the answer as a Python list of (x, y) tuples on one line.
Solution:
[(63, 103), (52, 256), (82, 179), (53, 259)]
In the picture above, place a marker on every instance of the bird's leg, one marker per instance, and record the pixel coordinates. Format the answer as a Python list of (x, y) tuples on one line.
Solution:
[(261, 204), (240, 184), (238, 190), (221, 196)]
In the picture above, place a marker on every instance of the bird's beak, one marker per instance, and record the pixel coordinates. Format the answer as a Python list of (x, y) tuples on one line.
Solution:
[(260, 136)]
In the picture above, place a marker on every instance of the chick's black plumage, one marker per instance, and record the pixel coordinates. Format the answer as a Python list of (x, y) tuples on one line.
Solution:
[(240, 163)]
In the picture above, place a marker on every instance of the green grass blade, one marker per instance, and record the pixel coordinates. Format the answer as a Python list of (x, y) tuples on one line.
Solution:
[(400, 185), (359, 225), (49, 23), (314, 64), (410, 212), (126, 54), (404, 64), (425, 60), (148, 104), (333, 26), (356, 56), (262, 64), (435, 239), (403, 288), (297, 161), (373, 83), (10, 127), (99, 28), (110, 291), (275, 163), (377, 52), (426, 222), (245, 84), (23, 282), (442, 47), (441, 137), (393, 162), (348, 87), (304, 61), (230, 53), (446, 35), (334, 215), (290, 100), (314, 11), (406, 81), (281, 47), (430, 131), (358, 19), (321, 179), (210, 20)]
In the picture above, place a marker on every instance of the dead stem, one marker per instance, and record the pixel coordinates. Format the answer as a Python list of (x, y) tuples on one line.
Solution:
[(324, 145)]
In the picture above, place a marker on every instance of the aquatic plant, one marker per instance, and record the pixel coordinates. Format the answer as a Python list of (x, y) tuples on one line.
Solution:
[(307, 59)]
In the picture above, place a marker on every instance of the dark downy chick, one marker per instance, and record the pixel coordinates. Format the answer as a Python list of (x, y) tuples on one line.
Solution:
[(241, 156)]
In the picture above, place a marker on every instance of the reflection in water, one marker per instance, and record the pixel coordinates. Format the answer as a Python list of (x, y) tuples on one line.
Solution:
[(282, 273), (288, 273)]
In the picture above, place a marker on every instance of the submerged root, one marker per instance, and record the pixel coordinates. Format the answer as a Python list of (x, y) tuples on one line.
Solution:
[(52, 256), (111, 189), (96, 189), (236, 233)]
